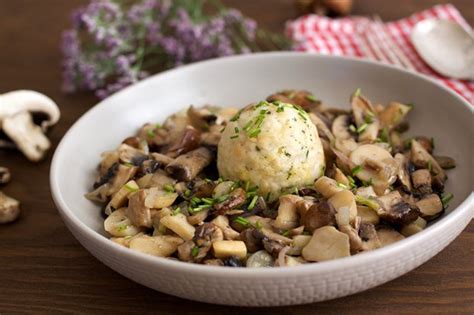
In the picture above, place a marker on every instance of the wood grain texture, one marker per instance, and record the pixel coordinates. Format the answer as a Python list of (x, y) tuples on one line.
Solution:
[(43, 269)]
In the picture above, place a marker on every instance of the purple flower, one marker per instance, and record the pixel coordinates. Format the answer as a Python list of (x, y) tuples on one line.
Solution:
[(125, 41)]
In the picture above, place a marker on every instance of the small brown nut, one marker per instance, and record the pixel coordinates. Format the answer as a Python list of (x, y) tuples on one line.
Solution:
[(9, 209)]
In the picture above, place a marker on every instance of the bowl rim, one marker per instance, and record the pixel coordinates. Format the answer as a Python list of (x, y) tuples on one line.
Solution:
[(268, 273)]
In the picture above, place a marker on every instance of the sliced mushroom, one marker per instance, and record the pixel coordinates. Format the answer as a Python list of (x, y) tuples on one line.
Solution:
[(198, 217), (422, 182), (318, 215), (207, 234), (121, 197), (388, 236), (190, 139), (302, 98), (299, 241), (260, 259), (416, 226), (340, 127), (378, 166), (236, 198), (223, 189), (5, 175), (344, 200), (393, 114), (252, 239), (327, 186), (366, 192), (403, 176), (367, 215), (323, 130), (430, 206), (355, 241), (118, 224), (370, 132), (369, 237), (179, 224), (9, 209), (187, 166), (340, 177), (361, 109), (109, 159), (287, 213), (274, 246), (123, 175), (28, 137), (162, 246), (129, 154), (185, 251), (326, 243), (137, 211), (422, 159), (395, 210), (161, 158), (445, 162), (426, 143), (345, 146), (200, 118), (224, 249), (222, 222)]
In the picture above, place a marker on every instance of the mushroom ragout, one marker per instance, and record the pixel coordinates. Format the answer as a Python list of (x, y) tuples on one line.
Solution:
[(333, 183)]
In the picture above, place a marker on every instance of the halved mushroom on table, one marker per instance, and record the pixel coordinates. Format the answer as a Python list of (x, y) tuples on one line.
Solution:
[(163, 195)]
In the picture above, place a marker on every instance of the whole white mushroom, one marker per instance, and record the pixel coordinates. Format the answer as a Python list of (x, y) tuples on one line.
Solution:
[(274, 146)]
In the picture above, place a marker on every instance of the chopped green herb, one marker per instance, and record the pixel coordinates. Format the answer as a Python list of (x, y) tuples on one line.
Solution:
[(187, 193), (222, 198), (407, 143), (168, 188), (177, 211), (195, 251), (267, 198), (369, 202), (242, 221), (362, 128), (430, 166), (128, 164), (384, 136), (258, 225), (236, 129), (253, 202), (122, 227), (356, 93), (353, 128), (291, 95), (287, 154), (132, 187), (236, 116), (351, 181), (311, 98), (446, 198), (254, 133), (208, 201), (222, 130), (150, 133), (432, 143), (195, 200), (280, 109), (285, 233), (369, 117), (234, 136), (341, 185), (157, 126), (356, 170)]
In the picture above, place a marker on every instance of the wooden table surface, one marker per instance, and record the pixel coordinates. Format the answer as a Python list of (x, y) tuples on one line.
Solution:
[(44, 269)]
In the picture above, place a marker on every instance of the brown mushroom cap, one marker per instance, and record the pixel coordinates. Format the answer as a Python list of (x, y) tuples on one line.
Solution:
[(318, 215), (395, 210), (186, 167)]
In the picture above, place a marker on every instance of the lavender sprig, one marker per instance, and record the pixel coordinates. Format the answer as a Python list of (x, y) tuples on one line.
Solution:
[(113, 44)]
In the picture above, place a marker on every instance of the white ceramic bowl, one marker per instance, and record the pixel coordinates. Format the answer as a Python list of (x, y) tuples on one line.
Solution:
[(237, 81)]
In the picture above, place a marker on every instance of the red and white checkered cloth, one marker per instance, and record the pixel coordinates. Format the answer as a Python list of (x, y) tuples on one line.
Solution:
[(313, 33)]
